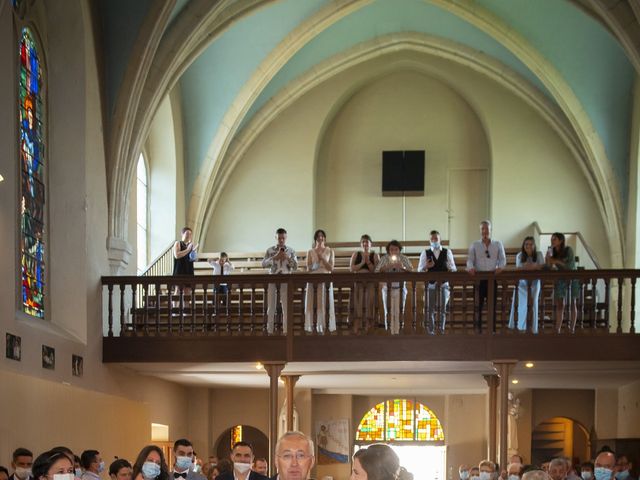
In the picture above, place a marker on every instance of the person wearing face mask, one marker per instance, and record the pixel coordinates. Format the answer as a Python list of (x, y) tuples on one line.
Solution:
[(586, 471), (487, 470), (150, 465), (474, 473), (514, 471), (605, 466), (463, 472), (242, 458), (92, 464), (436, 258), (53, 466), (183, 467), (77, 467), (536, 475), (624, 467), (21, 462)]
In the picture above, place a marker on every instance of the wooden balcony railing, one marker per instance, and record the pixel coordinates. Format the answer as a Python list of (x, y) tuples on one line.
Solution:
[(179, 306)]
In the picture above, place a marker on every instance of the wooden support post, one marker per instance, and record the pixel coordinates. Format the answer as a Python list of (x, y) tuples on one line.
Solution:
[(504, 367), (273, 370), (492, 381), (289, 384)]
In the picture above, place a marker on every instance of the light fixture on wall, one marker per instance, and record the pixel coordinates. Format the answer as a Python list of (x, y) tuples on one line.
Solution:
[(1, 178)]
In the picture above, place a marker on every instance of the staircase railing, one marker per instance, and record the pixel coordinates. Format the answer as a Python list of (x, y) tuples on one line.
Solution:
[(162, 265)]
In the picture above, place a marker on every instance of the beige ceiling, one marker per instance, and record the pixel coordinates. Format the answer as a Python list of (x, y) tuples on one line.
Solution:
[(398, 377)]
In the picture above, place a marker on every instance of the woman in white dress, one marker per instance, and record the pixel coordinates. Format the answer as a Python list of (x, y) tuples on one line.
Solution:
[(320, 259)]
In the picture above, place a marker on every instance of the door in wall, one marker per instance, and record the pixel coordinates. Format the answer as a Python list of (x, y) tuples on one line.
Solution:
[(468, 205)]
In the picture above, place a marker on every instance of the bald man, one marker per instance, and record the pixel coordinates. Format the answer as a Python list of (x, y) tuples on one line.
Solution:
[(605, 466)]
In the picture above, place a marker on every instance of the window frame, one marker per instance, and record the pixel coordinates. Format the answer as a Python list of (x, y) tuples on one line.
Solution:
[(19, 26), (143, 156)]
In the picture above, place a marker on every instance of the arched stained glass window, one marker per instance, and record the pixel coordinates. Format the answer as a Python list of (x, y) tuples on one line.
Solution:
[(399, 421), (32, 185)]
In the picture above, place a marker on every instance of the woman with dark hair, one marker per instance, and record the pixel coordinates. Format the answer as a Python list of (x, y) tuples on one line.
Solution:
[(394, 261), (53, 465), (561, 257), (320, 259), (378, 462), (363, 261), (150, 465), (528, 259)]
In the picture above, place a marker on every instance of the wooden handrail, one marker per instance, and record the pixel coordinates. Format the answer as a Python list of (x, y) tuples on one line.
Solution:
[(160, 265), (245, 304)]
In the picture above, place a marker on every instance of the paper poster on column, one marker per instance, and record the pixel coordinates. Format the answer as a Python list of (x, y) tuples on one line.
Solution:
[(332, 439)]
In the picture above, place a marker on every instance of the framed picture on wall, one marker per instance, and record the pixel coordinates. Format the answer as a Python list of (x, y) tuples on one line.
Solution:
[(14, 347), (77, 365), (48, 357)]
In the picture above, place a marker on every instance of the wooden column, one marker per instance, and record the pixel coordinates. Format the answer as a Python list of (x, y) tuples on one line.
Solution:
[(504, 367), (492, 381), (273, 370), (289, 384)]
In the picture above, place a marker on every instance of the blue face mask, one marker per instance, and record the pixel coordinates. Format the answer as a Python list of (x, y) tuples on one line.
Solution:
[(150, 470), (78, 472), (514, 477), (464, 475), (485, 476), (586, 475), (602, 473), (101, 467), (435, 245), (183, 463), (622, 475)]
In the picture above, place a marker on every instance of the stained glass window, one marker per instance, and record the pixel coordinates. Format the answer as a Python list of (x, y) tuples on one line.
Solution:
[(236, 435), (400, 420), (32, 189)]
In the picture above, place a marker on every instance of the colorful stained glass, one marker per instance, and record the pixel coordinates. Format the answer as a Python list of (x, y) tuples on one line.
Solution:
[(397, 421), (236, 435), (32, 189)]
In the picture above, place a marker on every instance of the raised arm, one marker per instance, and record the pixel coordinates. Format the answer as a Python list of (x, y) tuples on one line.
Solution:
[(177, 253), (267, 261), (422, 264)]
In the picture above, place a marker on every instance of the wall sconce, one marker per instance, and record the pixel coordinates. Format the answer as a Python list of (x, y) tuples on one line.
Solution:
[(1, 178)]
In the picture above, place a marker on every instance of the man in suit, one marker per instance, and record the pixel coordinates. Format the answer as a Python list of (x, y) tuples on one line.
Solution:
[(242, 458), (21, 463), (183, 461), (294, 456), (261, 465)]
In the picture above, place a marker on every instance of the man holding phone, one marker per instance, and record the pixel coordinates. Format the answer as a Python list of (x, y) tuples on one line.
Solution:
[(279, 259)]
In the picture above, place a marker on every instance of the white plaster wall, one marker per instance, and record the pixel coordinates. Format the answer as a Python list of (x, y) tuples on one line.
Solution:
[(406, 110), (77, 202), (533, 174), (161, 151)]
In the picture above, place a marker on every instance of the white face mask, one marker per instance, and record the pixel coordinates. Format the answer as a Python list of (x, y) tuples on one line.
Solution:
[(485, 476), (63, 476), (22, 472), (242, 467)]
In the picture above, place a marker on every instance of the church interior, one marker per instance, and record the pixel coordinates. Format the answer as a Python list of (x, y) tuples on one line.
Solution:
[(121, 122)]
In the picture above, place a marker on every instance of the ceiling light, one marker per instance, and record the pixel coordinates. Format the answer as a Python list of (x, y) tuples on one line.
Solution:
[(529, 364), (259, 366), (515, 381)]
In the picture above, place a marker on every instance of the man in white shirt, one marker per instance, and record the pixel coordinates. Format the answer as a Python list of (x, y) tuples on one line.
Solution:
[(279, 259), (436, 259), (485, 255), (221, 266)]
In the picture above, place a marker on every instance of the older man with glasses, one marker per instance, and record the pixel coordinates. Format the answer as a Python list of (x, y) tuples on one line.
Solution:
[(485, 255), (294, 456)]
